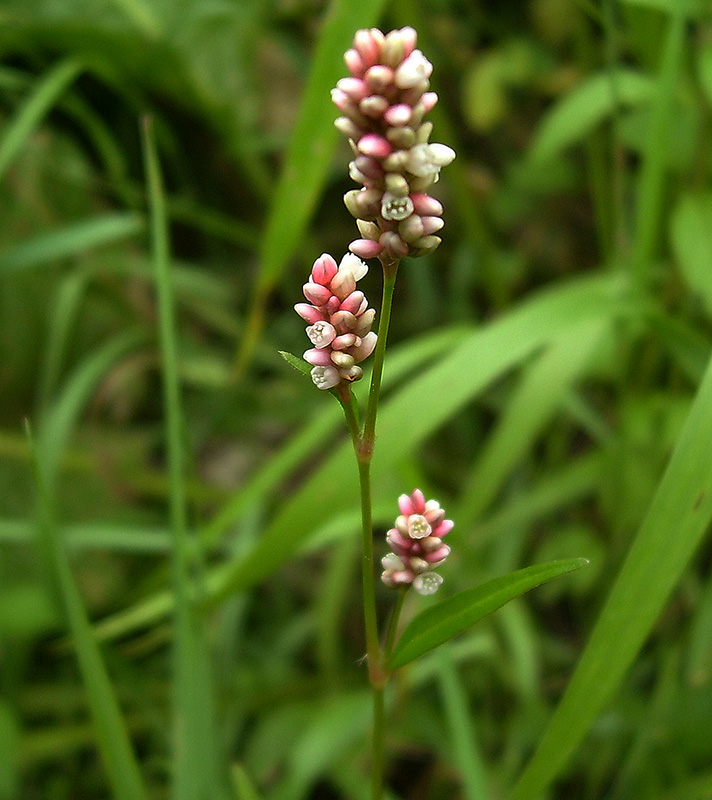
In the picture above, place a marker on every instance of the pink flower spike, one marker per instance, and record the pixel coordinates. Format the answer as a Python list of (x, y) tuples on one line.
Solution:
[(365, 248), (324, 269), (405, 505), (374, 145), (309, 313), (318, 357), (315, 293)]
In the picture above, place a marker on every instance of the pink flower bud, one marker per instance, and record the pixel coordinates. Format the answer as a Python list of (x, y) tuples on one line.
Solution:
[(347, 127), (409, 38), (443, 528), (426, 206), (429, 101), (365, 248), (368, 166), (315, 293), (353, 302), (343, 284), (373, 106), (393, 244), (368, 44), (364, 322), (344, 321), (318, 357), (309, 313), (379, 78), (324, 269), (405, 505), (398, 115), (344, 341), (362, 351), (354, 88), (354, 63), (375, 146), (418, 500), (438, 555)]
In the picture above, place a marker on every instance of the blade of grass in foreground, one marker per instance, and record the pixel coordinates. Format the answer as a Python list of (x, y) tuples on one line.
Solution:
[(34, 109), (677, 519), (194, 765), (307, 162), (114, 743)]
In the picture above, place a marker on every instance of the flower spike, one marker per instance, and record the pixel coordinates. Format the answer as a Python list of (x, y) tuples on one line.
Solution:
[(383, 103)]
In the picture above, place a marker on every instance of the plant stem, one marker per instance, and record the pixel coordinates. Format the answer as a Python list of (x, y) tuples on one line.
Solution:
[(378, 743)]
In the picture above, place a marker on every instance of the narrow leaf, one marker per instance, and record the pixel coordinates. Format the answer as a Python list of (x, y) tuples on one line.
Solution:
[(453, 616), (34, 109), (298, 363), (691, 236), (677, 519)]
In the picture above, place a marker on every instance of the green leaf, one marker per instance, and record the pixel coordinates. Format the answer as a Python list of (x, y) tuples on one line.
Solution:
[(691, 235), (298, 363), (677, 520), (70, 241), (451, 617), (27, 119), (585, 106)]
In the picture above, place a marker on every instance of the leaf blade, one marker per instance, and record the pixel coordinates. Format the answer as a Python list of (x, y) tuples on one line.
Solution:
[(440, 623)]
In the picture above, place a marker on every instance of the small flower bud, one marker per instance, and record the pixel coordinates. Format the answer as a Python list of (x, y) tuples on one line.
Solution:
[(353, 302), (398, 115), (364, 322), (318, 357), (343, 284), (402, 138), (354, 62), (347, 127), (365, 248), (324, 269), (396, 184), (354, 88), (353, 373), (362, 351), (344, 341), (315, 293), (374, 146), (368, 230), (354, 265), (378, 78), (372, 107), (344, 321), (309, 313), (413, 71), (411, 229), (418, 527), (342, 360), (425, 205)]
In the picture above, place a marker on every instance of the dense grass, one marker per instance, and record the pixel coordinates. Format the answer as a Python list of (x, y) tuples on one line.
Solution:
[(179, 536)]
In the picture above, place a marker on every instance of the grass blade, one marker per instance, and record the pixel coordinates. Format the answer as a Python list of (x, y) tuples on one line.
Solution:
[(70, 240), (114, 743), (34, 109), (677, 519), (453, 616)]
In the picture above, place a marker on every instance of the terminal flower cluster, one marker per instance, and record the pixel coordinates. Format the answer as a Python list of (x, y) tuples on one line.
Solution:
[(339, 321), (383, 104), (416, 544)]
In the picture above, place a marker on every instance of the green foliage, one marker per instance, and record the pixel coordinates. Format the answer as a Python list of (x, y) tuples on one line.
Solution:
[(547, 380)]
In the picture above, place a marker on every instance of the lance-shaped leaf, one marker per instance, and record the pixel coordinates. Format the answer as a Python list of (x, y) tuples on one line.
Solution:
[(455, 615)]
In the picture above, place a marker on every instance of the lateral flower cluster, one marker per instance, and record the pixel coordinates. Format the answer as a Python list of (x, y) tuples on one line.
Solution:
[(416, 544), (383, 103), (339, 321)]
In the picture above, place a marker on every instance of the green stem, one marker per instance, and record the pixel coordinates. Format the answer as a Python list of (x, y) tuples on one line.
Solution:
[(373, 649), (378, 743), (369, 428)]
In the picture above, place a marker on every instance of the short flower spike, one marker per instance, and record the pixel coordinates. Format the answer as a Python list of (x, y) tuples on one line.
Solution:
[(340, 321), (416, 544)]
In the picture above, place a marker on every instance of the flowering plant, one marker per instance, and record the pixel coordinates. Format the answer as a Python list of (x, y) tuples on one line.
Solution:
[(383, 104)]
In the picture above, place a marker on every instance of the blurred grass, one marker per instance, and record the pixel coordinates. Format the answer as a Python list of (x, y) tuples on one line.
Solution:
[(547, 361)]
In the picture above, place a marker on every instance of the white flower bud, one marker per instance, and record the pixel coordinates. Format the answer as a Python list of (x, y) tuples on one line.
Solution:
[(325, 377)]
